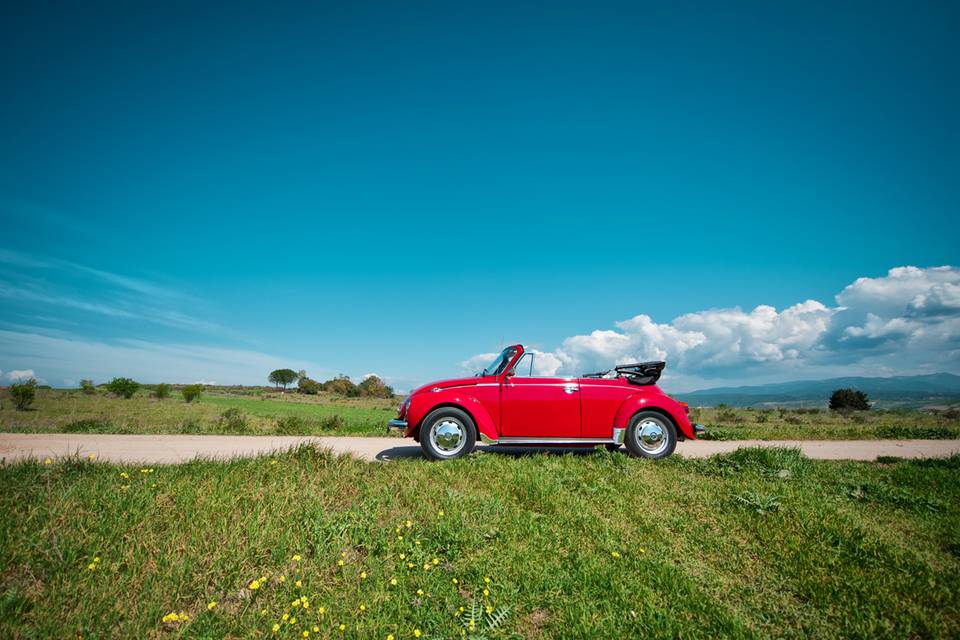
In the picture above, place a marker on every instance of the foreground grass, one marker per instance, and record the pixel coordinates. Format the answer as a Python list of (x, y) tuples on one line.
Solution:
[(760, 543), (58, 411)]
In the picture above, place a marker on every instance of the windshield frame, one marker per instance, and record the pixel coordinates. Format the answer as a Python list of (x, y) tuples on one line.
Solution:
[(501, 362)]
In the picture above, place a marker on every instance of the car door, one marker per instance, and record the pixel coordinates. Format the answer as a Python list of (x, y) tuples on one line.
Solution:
[(539, 407)]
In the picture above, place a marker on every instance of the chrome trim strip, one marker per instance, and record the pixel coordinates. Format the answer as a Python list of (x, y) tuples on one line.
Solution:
[(397, 424), (619, 435), (551, 441)]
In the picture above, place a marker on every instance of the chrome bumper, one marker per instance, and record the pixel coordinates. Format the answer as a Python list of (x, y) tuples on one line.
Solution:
[(698, 429), (397, 425)]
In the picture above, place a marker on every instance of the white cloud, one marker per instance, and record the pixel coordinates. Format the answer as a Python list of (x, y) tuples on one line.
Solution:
[(75, 357), (22, 374), (906, 320)]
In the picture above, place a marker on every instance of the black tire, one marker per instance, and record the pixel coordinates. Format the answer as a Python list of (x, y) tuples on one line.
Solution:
[(441, 446), (612, 447), (648, 425)]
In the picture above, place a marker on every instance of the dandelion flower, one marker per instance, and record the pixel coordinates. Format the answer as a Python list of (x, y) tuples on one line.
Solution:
[(282, 579), (403, 556), (642, 550), (486, 592), (263, 612), (124, 474), (400, 538), (273, 462), (183, 616), (615, 554), (293, 620), (416, 542), (393, 582), (296, 557), (417, 633), (409, 524), (316, 629), (455, 581), (389, 636), (342, 626), (298, 584), (295, 603), (419, 592), (409, 565), (254, 585), (426, 566), (91, 456), (276, 627), (486, 580), (339, 563), (343, 554), (363, 607), (435, 561), (489, 609), (441, 513), (285, 617), (211, 606), (48, 461), (321, 611), (363, 575), (305, 634)]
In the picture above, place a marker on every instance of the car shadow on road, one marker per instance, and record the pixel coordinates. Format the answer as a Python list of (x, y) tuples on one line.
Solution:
[(414, 451)]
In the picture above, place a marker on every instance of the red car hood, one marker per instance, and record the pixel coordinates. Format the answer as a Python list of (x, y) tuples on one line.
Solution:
[(444, 384)]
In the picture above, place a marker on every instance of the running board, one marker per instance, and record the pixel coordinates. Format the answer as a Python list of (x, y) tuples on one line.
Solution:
[(547, 442)]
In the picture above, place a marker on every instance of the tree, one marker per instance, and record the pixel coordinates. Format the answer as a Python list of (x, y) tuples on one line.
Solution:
[(23, 394), (374, 387), (849, 400), (308, 386), (123, 387), (86, 386), (282, 377), (191, 392), (162, 391), (341, 385)]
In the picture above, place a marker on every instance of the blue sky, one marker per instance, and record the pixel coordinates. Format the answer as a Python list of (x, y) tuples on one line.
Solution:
[(202, 192)]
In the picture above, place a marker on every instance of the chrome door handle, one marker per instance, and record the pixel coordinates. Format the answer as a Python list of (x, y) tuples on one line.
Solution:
[(570, 388)]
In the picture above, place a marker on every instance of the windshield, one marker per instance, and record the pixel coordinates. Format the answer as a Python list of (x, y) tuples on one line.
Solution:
[(500, 363)]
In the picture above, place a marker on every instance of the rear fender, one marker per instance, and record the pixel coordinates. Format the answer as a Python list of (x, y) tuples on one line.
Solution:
[(422, 404), (659, 402)]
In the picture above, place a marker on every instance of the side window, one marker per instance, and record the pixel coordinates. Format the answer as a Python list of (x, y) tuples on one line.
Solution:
[(524, 367)]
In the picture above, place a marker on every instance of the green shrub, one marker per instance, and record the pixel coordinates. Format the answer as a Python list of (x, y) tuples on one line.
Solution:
[(162, 391), (923, 433), (234, 421), (341, 385), (309, 386), (726, 416), (374, 387), (793, 420), (762, 417), (849, 400), (86, 386), (23, 394), (332, 423), (123, 387), (88, 425), (291, 425), (191, 392)]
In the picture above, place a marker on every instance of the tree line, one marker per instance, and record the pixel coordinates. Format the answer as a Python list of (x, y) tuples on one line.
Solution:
[(370, 387)]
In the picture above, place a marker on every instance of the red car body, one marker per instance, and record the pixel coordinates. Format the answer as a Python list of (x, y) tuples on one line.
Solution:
[(507, 407)]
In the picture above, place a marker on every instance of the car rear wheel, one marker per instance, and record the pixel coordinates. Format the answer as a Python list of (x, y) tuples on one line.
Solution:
[(447, 433), (651, 435)]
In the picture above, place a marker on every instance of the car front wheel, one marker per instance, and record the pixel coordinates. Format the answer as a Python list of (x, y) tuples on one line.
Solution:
[(651, 435), (447, 433)]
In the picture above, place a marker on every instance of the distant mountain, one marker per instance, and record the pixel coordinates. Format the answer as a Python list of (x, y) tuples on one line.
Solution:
[(897, 391)]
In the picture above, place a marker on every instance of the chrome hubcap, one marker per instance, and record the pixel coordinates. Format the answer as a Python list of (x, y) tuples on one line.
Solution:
[(652, 436), (448, 436)]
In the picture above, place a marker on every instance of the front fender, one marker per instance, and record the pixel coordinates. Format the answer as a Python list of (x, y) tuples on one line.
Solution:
[(423, 404), (660, 402)]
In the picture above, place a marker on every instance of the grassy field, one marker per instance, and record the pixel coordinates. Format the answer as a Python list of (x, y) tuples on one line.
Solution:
[(258, 411), (756, 544)]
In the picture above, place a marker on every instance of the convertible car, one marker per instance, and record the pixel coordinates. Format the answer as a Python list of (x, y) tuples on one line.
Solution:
[(507, 404)]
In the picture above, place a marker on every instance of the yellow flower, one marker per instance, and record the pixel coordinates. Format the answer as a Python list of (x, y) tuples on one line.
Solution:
[(642, 550), (263, 612), (285, 617), (343, 554), (305, 634), (441, 513), (486, 592), (426, 566), (393, 582), (489, 609), (400, 538), (409, 524), (124, 474), (409, 565), (417, 633), (389, 636), (48, 461), (296, 557), (276, 627), (403, 556), (363, 607), (282, 579), (298, 583), (211, 606), (293, 620), (295, 603), (321, 610), (416, 542), (363, 575), (91, 456), (339, 563), (273, 462), (419, 592), (316, 629), (254, 585), (455, 581), (342, 626), (183, 617), (615, 554), (397, 530), (486, 580), (435, 561)]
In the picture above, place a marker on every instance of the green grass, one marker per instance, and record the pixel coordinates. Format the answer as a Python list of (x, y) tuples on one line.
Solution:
[(755, 544), (261, 412)]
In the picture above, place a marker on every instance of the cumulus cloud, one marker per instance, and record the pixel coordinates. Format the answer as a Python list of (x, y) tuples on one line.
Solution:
[(907, 320), (21, 374)]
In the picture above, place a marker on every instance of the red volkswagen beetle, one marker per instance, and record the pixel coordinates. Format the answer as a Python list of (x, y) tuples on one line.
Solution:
[(507, 404)]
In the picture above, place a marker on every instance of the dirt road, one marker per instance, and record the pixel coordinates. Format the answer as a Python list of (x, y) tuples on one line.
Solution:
[(168, 449)]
